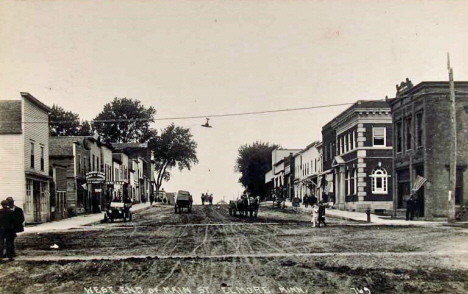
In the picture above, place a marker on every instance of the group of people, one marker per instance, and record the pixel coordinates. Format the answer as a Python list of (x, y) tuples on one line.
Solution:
[(309, 200), (207, 198), (11, 222)]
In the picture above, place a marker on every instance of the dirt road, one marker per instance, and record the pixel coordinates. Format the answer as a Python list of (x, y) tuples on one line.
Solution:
[(207, 251)]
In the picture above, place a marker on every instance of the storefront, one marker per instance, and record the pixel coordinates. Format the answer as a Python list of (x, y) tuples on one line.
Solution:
[(93, 201)]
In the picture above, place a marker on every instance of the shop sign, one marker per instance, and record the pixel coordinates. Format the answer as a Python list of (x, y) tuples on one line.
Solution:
[(95, 177)]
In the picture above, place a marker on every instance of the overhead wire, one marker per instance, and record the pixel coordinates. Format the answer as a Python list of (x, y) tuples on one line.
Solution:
[(229, 114)]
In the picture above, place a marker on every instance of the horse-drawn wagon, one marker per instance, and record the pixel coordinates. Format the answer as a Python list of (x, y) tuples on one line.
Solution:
[(245, 206), (183, 201)]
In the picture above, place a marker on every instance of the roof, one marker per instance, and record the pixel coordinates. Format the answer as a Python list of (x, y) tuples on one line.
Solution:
[(36, 102), (129, 145), (441, 85), (360, 105), (10, 117), (63, 145), (117, 157)]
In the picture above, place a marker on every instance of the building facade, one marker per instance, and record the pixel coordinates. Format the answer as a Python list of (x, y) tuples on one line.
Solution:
[(308, 167), (357, 150), (421, 120), (24, 156)]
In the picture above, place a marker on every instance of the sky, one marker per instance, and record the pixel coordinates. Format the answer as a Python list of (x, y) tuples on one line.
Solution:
[(200, 58)]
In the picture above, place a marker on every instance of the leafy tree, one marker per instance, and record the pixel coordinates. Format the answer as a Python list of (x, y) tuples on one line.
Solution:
[(173, 148), (85, 129), (125, 120), (253, 161), (63, 123)]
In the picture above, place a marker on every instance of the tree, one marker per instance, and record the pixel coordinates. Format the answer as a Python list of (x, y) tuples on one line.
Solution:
[(174, 147), (85, 129), (125, 120), (253, 161), (63, 123)]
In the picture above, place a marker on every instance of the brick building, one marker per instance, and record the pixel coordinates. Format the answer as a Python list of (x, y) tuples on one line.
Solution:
[(24, 156), (357, 157), (421, 120)]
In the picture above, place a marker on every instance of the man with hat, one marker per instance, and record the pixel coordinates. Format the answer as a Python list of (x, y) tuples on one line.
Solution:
[(7, 232), (18, 220)]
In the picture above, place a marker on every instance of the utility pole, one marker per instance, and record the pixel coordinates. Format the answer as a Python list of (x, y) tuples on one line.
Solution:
[(453, 147)]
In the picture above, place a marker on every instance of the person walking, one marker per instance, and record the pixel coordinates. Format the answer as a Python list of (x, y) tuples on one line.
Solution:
[(7, 232), (410, 208), (321, 214), (211, 199), (203, 199), (306, 201), (151, 199), (313, 200), (315, 210)]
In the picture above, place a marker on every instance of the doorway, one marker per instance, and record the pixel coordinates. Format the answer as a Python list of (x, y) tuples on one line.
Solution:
[(37, 201)]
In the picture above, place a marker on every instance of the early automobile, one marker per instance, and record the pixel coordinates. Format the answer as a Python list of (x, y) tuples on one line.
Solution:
[(118, 210), (183, 201)]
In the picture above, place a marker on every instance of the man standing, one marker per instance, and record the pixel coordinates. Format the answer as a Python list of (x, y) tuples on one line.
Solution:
[(410, 208), (18, 220), (7, 232), (321, 213)]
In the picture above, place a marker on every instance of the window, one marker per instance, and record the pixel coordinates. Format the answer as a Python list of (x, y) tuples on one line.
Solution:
[(42, 158), (351, 140), (355, 181), (398, 135), (94, 163), (409, 132), (79, 164), (98, 165), (32, 155), (29, 189), (419, 129), (379, 181), (350, 143), (379, 136), (355, 139), (347, 183)]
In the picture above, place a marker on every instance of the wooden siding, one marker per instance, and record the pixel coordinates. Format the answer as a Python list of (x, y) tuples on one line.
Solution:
[(12, 179), (35, 130)]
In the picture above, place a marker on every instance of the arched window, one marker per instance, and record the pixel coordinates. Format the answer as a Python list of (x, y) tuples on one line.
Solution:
[(379, 181)]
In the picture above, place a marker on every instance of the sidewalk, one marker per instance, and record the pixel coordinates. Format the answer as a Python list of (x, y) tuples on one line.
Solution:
[(76, 221), (362, 217)]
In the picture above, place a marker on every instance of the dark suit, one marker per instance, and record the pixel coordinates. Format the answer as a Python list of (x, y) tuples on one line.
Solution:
[(18, 219), (7, 233)]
